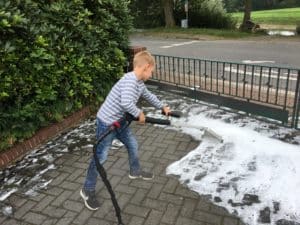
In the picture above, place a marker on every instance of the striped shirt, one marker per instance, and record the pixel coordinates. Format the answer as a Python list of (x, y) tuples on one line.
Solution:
[(123, 98)]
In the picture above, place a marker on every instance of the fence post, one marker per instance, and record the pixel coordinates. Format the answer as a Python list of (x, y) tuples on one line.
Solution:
[(296, 113)]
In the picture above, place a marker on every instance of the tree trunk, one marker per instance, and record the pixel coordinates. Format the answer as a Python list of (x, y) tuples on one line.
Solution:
[(247, 11), (168, 6), (247, 25)]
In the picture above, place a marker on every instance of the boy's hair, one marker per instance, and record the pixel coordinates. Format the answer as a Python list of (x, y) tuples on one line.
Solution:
[(143, 57)]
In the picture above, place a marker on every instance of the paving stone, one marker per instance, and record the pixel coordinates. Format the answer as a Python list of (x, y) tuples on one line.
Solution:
[(135, 220), (50, 222), (139, 196), (59, 179), (204, 205), (136, 210), (159, 152), (75, 196), (53, 190), (125, 189), (188, 207), (183, 191), (115, 180), (16, 201), (53, 211), (155, 204), (171, 198), (70, 185), (171, 186), (67, 218), (188, 221), (72, 160), (37, 197), (160, 179), (120, 163), (171, 214), (34, 218), (80, 165), (155, 191), (75, 174), (61, 198), (207, 217), (73, 206), (80, 180), (142, 184), (170, 157), (219, 210), (83, 216), (230, 221), (43, 203), (24, 209), (146, 156), (118, 172), (123, 200), (14, 222), (97, 221), (105, 207), (154, 218)]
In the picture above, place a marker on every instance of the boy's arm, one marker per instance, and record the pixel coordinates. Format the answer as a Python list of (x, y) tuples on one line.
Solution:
[(152, 99)]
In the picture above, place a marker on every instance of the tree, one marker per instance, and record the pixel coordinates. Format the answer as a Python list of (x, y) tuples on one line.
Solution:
[(247, 15), (168, 6)]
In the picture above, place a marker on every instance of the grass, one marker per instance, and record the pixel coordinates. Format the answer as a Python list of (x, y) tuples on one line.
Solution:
[(285, 19), (193, 33), (288, 16)]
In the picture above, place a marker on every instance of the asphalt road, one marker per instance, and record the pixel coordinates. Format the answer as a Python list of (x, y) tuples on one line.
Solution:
[(271, 52)]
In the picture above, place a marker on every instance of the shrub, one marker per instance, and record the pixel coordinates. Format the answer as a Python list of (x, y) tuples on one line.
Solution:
[(206, 13), (55, 58), (147, 14)]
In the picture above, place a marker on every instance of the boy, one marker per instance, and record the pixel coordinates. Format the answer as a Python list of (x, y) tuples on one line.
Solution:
[(122, 99)]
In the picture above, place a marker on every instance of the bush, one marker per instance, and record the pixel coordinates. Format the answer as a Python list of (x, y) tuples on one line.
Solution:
[(147, 14), (206, 13), (56, 58)]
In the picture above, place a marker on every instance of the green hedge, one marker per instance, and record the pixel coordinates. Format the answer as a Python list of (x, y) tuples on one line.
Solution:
[(56, 57)]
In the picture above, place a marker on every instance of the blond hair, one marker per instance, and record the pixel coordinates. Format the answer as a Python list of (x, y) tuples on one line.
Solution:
[(142, 58)]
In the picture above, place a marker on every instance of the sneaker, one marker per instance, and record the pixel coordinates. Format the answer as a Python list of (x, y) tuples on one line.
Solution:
[(89, 198), (142, 174)]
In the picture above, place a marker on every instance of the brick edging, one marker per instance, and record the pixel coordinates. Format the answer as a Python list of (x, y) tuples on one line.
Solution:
[(41, 136)]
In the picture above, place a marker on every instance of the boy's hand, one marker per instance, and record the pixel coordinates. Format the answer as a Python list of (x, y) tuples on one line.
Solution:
[(166, 110), (142, 118)]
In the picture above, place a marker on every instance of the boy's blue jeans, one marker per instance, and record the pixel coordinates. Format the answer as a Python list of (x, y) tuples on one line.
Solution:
[(125, 135)]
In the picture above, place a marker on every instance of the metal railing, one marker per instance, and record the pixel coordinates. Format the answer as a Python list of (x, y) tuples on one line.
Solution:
[(271, 91)]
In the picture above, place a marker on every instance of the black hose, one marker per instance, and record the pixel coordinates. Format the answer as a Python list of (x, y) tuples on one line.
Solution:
[(103, 175), (101, 169)]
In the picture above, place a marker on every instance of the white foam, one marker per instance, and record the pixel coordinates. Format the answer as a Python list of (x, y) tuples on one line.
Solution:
[(275, 177)]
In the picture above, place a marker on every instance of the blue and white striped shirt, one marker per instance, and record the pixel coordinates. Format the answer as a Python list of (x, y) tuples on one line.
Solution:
[(123, 98)]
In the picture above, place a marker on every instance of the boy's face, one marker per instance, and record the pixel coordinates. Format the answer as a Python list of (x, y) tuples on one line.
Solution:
[(147, 71)]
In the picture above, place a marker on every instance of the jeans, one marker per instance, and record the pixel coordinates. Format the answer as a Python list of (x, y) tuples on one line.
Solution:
[(125, 135)]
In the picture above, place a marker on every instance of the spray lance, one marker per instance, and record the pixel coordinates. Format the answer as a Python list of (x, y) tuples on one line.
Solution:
[(129, 118)]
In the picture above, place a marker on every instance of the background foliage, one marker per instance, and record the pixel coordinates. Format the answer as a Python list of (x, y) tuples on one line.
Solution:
[(205, 14), (56, 57), (238, 5), (202, 13)]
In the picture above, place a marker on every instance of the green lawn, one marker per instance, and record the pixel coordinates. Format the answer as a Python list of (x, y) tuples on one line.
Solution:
[(288, 16)]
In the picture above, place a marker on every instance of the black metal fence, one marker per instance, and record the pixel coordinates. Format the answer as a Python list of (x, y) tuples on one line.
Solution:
[(268, 91)]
